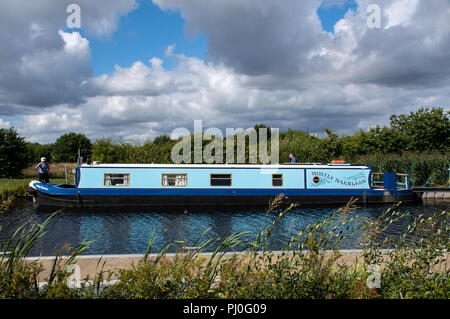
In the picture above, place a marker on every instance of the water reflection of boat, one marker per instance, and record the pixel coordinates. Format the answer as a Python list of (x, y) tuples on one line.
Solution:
[(220, 185)]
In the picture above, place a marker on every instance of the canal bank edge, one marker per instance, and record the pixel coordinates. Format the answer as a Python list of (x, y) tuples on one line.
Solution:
[(91, 265)]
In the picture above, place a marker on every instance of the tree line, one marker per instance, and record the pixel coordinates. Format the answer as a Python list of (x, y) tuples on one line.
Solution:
[(424, 131)]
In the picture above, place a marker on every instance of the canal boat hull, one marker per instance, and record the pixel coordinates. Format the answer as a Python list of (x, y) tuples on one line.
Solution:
[(41, 200), (214, 185)]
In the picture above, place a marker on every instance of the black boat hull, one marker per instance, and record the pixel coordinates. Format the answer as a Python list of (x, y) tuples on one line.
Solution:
[(41, 199)]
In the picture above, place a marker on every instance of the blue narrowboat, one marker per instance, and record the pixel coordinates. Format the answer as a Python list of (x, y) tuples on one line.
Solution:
[(154, 185)]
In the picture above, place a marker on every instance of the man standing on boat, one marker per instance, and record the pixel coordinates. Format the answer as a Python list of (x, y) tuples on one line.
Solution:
[(292, 157), (44, 168)]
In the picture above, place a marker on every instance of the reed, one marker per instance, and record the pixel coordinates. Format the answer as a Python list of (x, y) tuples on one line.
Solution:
[(309, 266), (424, 167), (19, 277), (57, 170)]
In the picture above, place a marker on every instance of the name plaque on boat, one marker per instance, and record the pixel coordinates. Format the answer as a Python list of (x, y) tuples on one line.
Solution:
[(335, 178)]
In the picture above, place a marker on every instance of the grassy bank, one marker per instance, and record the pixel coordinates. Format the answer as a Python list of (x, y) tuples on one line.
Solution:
[(12, 189), (414, 267)]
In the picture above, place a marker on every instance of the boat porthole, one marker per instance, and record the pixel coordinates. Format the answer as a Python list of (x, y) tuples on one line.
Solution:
[(316, 179)]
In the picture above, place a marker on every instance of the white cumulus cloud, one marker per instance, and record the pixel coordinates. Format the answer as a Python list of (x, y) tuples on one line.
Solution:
[(266, 61)]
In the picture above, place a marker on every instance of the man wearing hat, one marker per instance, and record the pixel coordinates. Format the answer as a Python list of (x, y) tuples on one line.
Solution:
[(43, 170)]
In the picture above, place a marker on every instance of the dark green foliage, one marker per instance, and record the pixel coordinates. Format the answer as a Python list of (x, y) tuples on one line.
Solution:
[(426, 129), (263, 126), (66, 147), (375, 140), (35, 151), (422, 131), (13, 150), (305, 147), (161, 140), (108, 151), (158, 152)]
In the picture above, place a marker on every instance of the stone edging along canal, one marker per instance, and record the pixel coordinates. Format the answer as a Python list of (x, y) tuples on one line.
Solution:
[(90, 265)]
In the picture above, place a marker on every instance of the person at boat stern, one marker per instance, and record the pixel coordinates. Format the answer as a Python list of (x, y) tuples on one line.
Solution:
[(44, 168), (292, 157)]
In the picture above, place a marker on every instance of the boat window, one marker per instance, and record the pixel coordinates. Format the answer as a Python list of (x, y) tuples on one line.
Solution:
[(277, 179), (173, 179), (115, 179), (220, 179)]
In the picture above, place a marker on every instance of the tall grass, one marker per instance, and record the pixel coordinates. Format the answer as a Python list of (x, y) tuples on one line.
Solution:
[(19, 277), (57, 170), (17, 188), (310, 265), (431, 167), (10, 191)]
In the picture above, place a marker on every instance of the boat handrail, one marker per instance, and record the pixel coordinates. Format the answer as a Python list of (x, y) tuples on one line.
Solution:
[(403, 184)]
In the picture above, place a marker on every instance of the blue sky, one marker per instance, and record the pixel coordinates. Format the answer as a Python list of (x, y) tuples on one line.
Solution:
[(142, 34), (331, 14), (147, 32)]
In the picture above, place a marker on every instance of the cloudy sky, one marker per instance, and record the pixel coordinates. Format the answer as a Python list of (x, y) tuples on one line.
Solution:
[(139, 68)]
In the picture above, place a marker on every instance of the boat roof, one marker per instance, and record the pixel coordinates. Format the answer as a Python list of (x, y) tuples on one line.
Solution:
[(260, 166)]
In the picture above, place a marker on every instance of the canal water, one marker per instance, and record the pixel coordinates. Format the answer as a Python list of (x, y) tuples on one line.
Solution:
[(127, 231)]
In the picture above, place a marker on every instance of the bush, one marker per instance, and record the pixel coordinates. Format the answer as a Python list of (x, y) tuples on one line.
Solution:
[(66, 147), (13, 153), (305, 147), (426, 129), (107, 151)]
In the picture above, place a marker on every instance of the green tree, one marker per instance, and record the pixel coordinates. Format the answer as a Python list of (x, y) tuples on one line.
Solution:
[(424, 130), (106, 150), (13, 153), (331, 146), (376, 140), (262, 125), (305, 147), (162, 139), (35, 151), (66, 147)]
